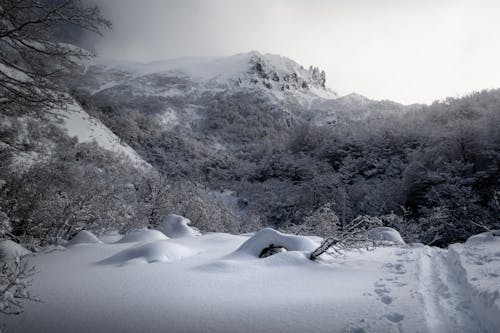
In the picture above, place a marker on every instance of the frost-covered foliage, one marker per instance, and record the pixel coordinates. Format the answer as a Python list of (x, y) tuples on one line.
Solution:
[(5, 226), (435, 167), (15, 279), (322, 222), (77, 186)]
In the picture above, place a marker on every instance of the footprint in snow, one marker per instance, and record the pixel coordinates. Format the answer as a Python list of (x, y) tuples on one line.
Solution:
[(383, 293), (396, 268), (394, 317)]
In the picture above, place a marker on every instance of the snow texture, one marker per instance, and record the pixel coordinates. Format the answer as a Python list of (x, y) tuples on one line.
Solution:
[(157, 251), (477, 267), (85, 128), (216, 283), (176, 226)]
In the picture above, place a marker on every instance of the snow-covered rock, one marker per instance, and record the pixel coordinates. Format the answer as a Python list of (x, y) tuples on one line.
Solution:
[(157, 251), (142, 235), (176, 226), (11, 250), (385, 234), (83, 237), (265, 237)]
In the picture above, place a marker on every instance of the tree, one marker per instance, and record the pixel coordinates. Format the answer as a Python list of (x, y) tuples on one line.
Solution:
[(32, 60), (354, 235)]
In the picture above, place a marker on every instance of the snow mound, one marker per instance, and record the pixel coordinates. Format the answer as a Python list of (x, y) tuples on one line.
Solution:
[(265, 237), (176, 226), (12, 250), (157, 251), (385, 234), (142, 235), (485, 237), (83, 237)]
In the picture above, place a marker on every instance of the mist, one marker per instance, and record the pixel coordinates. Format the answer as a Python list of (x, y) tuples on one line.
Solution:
[(407, 51)]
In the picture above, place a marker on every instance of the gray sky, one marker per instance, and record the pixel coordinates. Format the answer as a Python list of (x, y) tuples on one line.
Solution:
[(407, 51)]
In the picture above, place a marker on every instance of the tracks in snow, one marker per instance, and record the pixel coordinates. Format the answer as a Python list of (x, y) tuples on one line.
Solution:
[(447, 307)]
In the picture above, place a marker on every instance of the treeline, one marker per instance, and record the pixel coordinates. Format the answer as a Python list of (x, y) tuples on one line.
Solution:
[(430, 171)]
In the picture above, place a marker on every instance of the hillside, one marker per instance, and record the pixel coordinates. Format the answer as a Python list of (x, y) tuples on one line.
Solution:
[(271, 133)]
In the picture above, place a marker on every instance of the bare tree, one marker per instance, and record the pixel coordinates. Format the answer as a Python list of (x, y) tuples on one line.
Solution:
[(31, 59), (353, 235)]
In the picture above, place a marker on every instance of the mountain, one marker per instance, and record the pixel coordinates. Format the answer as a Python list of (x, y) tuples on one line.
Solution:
[(180, 92), (223, 121)]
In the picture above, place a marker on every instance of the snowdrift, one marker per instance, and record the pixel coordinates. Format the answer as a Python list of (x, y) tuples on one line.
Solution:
[(176, 226), (158, 251), (265, 237), (477, 264), (142, 235)]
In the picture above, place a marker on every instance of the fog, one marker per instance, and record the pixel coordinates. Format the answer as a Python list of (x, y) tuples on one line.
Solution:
[(407, 51)]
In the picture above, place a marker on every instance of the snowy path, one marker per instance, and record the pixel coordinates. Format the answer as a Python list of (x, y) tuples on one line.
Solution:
[(446, 304)]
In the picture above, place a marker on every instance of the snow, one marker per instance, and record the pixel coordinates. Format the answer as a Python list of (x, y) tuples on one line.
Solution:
[(83, 237), (80, 124), (161, 251), (204, 68), (481, 239), (10, 249), (176, 226), (477, 265), (265, 237), (142, 235), (111, 236), (216, 283), (217, 72), (169, 119), (385, 234)]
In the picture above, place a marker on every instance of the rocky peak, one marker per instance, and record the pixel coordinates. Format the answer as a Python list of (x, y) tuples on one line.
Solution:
[(284, 74)]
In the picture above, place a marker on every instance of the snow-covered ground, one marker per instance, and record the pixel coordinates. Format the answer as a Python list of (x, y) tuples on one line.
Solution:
[(78, 123), (215, 282)]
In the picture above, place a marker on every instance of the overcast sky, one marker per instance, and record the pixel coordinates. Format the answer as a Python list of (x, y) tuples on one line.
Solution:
[(407, 51)]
